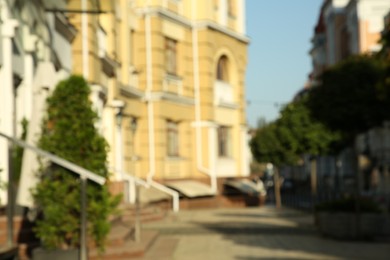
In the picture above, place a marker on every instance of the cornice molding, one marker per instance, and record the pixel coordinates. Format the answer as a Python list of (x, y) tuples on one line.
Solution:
[(158, 11)]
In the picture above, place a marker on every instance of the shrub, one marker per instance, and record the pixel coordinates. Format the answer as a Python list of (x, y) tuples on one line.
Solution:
[(68, 131)]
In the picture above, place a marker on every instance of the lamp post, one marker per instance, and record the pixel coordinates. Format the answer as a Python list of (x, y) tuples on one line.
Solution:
[(119, 105)]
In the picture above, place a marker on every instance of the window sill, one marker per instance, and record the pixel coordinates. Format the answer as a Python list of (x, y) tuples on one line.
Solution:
[(174, 158), (172, 76)]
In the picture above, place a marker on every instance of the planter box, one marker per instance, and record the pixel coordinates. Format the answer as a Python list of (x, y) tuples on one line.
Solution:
[(344, 225), (57, 254)]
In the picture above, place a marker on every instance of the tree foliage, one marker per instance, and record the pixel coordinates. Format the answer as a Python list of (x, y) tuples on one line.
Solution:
[(68, 131), (351, 97), (266, 146), (294, 134)]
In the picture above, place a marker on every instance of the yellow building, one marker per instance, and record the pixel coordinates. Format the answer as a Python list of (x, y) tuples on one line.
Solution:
[(170, 81)]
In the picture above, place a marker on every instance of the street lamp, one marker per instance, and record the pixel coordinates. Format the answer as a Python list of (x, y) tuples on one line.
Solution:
[(119, 106), (133, 125)]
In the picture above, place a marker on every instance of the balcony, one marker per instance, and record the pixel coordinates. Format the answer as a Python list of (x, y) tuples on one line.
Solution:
[(173, 84), (223, 94)]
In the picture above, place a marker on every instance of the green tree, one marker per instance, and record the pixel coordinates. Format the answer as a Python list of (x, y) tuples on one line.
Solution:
[(68, 131), (266, 146), (351, 97), (292, 135), (304, 134)]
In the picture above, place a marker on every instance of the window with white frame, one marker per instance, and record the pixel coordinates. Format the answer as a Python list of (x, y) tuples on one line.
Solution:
[(171, 56), (224, 141), (172, 138)]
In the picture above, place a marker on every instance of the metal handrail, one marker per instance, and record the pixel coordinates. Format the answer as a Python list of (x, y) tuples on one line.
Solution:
[(151, 183), (84, 176), (84, 173), (173, 193)]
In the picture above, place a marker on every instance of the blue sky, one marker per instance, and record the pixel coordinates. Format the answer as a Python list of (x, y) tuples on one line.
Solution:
[(279, 63)]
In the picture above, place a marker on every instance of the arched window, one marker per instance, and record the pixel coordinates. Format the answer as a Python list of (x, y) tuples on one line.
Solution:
[(223, 69)]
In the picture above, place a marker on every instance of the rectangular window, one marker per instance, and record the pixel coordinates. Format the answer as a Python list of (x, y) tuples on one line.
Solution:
[(132, 46), (224, 141), (230, 7), (171, 56), (172, 139)]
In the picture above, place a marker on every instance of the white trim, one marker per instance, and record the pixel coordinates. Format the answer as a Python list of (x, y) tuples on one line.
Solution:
[(157, 96), (228, 105), (84, 35), (158, 11), (149, 88), (221, 29), (204, 124), (7, 99), (131, 91), (83, 173), (198, 131)]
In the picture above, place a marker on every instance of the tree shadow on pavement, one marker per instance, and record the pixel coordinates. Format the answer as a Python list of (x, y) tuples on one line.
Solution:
[(290, 233)]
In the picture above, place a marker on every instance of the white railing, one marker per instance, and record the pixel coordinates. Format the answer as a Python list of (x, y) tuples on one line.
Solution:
[(223, 93), (133, 180), (174, 194), (173, 84), (84, 176)]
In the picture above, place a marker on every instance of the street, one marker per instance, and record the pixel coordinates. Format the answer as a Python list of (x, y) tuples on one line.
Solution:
[(249, 234)]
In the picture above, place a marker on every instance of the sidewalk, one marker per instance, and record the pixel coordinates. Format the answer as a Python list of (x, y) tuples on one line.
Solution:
[(249, 234)]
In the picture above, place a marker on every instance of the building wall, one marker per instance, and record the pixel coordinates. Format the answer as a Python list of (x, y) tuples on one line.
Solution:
[(165, 97)]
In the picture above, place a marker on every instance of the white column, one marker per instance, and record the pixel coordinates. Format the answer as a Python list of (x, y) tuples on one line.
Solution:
[(241, 18), (119, 152), (6, 96), (222, 12), (213, 157), (98, 106), (29, 47), (245, 152), (84, 39)]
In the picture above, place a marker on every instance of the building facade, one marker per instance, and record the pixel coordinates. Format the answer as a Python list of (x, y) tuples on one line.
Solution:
[(183, 87), (347, 27), (35, 55), (167, 80)]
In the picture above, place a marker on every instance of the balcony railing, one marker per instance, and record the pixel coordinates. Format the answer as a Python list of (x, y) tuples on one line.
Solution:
[(223, 93), (173, 84)]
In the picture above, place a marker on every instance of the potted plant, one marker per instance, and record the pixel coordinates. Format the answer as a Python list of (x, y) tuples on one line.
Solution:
[(68, 131)]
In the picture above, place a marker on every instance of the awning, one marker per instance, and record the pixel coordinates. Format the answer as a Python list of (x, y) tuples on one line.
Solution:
[(243, 185), (151, 194), (190, 188)]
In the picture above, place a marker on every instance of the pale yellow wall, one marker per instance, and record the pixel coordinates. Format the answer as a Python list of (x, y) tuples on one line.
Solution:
[(123, 49), (367, 38)]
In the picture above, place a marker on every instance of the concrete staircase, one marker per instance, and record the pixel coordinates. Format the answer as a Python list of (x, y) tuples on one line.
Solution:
[(120, 245), (121, 242)]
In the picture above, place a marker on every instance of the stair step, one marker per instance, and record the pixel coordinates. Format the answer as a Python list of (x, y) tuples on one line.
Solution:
[(118, 235), (129, 249), (146, 214), (7, 252)]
